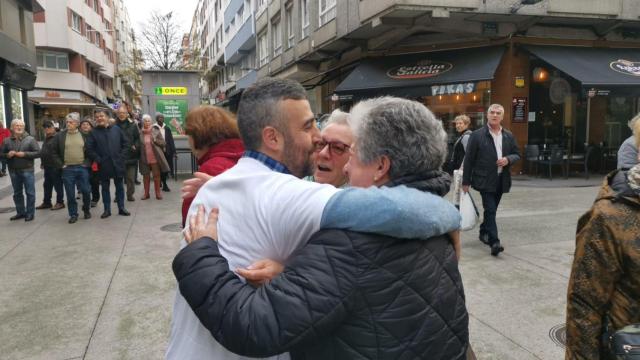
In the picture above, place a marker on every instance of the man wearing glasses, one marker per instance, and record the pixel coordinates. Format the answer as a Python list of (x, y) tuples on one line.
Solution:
[(332, 153)]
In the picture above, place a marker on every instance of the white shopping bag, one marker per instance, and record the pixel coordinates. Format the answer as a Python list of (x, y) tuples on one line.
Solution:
[(468, 212), (457, 185)]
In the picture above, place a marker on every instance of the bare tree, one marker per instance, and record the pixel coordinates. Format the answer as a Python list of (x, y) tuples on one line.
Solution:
[(161, 41)]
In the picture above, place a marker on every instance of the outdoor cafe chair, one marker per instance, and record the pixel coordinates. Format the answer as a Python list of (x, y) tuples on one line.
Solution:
[(555, 157)]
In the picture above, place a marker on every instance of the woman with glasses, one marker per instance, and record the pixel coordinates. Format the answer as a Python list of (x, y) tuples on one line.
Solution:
[(333, 152), (346, 295)]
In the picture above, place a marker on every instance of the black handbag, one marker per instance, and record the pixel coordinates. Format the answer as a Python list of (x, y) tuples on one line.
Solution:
[(624, 344)]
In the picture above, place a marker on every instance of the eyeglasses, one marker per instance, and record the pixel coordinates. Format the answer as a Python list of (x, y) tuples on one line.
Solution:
[(335, 147)]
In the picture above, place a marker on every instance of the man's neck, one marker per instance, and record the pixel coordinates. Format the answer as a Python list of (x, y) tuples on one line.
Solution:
[(495, 129), (72, 131)]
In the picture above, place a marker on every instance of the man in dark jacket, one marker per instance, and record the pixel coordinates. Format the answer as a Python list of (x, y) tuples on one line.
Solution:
[(108, 147), (490, 152), (70, 150), (19, 150), (52, 170), (130, 130), (169, 150)]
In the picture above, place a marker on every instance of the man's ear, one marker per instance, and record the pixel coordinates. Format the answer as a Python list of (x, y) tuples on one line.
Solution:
[(384, 164), (272, 139)]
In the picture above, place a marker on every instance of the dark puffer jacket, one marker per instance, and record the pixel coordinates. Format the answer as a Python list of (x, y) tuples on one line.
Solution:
[(345, 295)]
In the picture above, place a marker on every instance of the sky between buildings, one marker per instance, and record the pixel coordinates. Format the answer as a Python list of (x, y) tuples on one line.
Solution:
[(139, 11)]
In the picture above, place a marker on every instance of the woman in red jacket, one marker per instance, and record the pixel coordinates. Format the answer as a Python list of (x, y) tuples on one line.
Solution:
[(214, 140)]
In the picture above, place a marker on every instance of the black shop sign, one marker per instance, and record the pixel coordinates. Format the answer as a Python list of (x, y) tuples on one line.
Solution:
[(519, 109)]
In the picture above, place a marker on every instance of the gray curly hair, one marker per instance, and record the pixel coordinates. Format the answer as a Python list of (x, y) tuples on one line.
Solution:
[(404, 130)]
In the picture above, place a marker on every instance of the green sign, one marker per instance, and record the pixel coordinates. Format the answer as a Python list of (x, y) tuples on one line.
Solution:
[(175, 113), (172, 90)]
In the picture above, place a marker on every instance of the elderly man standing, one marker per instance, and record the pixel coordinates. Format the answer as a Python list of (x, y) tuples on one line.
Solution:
[(169, 149), (490, 152), (52, 170), (108, 147), (70, 150), (19, 150), (130, 130)]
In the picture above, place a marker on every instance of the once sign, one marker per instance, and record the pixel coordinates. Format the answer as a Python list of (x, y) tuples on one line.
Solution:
[(626, 67), (421, 70), (180, 91)]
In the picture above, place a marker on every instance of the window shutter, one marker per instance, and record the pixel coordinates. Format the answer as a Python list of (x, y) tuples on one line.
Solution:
[(69, 16)]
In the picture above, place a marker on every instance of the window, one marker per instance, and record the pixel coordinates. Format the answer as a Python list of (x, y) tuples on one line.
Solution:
[(304, 12), (76, 22), (240, 14), (16, 104), (90, 33), (261, 5), (263, 51), (53, 60), (96, 6), (276, 36), (98, 39), (327, 11), (247, 7), (289, 19)]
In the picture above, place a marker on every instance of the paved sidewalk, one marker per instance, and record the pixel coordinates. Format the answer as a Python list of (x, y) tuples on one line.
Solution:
[(103, 289)]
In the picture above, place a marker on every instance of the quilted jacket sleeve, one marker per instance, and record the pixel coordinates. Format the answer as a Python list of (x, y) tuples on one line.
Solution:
[(307, 301)]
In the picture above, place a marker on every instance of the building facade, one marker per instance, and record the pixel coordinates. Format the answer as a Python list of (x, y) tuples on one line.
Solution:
[(566, 71), (17, 59), (75, 58), (127, 82)]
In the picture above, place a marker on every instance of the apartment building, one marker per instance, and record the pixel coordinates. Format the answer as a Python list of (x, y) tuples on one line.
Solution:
[(75, 57), (127, 82), (566, 71), (17, 59)]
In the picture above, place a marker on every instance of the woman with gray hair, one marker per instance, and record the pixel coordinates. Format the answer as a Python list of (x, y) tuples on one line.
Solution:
[(152, 160), (346, 295), (628, 152)]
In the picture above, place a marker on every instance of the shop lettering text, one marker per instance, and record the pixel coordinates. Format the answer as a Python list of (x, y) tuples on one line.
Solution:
[(466, 88), (626, 67), (419, 71), (160, 90)]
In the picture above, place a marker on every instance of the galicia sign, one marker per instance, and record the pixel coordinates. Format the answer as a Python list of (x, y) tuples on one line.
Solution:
[(626, 67), (421, 70)]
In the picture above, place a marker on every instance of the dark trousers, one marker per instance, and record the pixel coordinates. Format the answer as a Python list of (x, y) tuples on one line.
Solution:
[(53, 180), (23, 179), (106, 193), (72, 176), (164, 175), (94, 179), (490, 202), (4, 165), (130, 178)]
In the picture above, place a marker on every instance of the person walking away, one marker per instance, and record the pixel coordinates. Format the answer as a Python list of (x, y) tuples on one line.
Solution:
[(4, 133), (19, 150), (86, 126), (152, 159), (462, 123), (130, 131), (52, 170), (214, 139), (70, 150), (169, 149), (108, 147), (491, 151), (628, 152)]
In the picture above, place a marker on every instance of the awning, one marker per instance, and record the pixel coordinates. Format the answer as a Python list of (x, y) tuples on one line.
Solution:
[(62, 102), (422, 74), (594, 67)]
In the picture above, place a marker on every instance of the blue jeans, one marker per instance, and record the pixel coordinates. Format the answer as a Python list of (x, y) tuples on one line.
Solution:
[(53, 180), (106, 194), (23, 179), (72, 176)]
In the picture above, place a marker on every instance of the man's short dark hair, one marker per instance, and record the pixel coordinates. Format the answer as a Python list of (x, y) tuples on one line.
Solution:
[(47, 124), (259, 107), (104, 111)]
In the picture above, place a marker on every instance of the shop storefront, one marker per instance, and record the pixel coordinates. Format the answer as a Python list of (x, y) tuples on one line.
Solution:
[(14, 83), (583, 97), (54, 105)]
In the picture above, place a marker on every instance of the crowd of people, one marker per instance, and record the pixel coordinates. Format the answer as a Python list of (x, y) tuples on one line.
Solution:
[(330, 244), (85, 156)]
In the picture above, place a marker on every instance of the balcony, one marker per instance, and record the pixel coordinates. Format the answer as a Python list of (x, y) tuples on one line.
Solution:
[(405, 8), (244, 40), (247, 80)]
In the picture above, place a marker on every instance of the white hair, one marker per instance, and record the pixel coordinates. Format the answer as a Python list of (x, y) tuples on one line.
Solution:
[(17, 121), (633, 121), (337, 117), (147, 117), (404, 130), (495, 106), (74, 116)]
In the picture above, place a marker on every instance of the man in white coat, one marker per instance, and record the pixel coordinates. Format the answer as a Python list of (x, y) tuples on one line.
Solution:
[(266, 211)]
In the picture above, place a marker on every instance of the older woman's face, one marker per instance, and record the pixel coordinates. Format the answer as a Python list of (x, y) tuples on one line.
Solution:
[(359, 173), (146, 123), (333, 155), (461, 126)]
